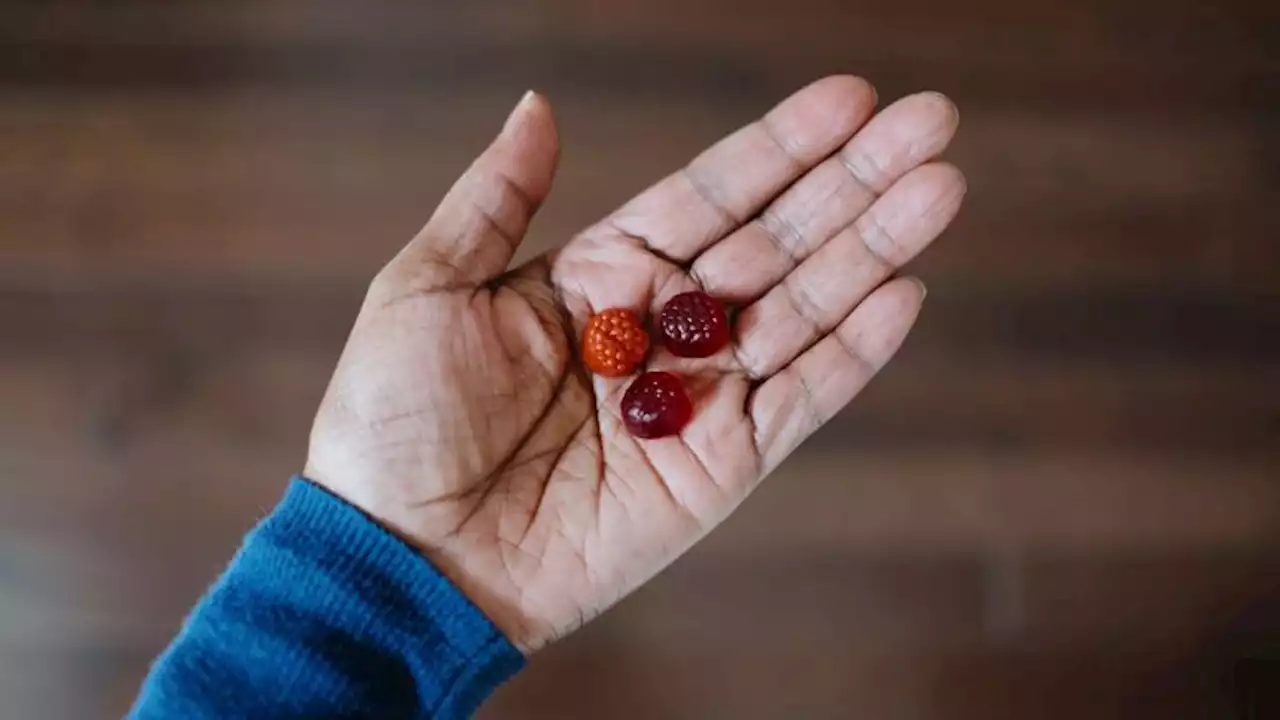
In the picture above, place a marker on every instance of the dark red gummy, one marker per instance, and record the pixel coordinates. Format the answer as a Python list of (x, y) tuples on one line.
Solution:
[(694, 325), (656, 406)]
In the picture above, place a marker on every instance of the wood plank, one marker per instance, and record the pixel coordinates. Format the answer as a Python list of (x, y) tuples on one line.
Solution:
[(1042, 373), (1121, 631), (1118, 327), (1060, 501), (404, 21), (1105, 685), (91, 449), (892, 602), (609, 680), (111, 398), (1035, 502), (310, 188), (573, 44)]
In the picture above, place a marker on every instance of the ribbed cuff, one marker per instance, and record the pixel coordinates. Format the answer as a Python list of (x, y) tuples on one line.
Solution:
[(378, 584)]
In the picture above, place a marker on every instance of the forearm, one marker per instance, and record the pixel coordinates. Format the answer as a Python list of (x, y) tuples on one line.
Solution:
[(325, 614)]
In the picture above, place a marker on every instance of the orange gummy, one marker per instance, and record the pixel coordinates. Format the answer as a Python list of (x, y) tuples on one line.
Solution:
[(614, 342)]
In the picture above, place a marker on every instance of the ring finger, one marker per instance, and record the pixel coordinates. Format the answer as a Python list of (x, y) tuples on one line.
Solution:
[(745, 265), (825, 288)]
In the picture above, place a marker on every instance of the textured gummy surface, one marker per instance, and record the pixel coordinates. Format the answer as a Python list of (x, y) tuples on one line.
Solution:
[(614, 342), (656, 406), (694, 325)]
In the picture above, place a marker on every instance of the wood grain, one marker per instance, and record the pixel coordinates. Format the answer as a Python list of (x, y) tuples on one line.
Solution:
[(1059, 501), (309, 188)]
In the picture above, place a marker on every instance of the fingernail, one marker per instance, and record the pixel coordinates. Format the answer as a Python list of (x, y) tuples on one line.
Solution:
[(924, 291), (519, 109)]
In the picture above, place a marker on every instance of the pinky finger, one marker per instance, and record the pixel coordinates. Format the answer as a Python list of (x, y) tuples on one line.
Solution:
[(802, 397)]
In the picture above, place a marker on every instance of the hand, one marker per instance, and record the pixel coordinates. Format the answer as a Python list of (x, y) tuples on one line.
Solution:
[(461, 417)]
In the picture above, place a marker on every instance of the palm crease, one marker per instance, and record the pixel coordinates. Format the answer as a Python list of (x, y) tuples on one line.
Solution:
[(462, 418)]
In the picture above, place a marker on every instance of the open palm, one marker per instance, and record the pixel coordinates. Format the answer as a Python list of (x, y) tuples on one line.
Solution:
[(461, 417)]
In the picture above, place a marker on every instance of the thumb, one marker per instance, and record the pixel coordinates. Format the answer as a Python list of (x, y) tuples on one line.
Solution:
[(478, 226)]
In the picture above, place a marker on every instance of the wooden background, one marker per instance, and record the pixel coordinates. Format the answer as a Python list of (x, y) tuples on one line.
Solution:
[(1063, 500)]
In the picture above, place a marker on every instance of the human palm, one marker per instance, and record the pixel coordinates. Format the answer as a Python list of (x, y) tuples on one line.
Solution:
[(461, 417)]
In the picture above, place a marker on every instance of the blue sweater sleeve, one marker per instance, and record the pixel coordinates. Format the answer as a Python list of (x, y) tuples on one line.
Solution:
[(325, 614)]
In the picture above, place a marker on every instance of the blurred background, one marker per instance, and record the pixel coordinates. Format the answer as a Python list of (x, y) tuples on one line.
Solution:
[(1062, 500)]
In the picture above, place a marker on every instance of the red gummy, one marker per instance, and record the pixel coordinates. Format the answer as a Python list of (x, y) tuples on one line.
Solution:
[(656, 406), (614, 342), (694, 325)]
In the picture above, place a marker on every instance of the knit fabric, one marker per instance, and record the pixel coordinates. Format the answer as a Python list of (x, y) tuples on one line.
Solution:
[(325, 614)]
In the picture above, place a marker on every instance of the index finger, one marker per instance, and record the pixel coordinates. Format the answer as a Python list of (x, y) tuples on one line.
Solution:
[(728, 183)]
